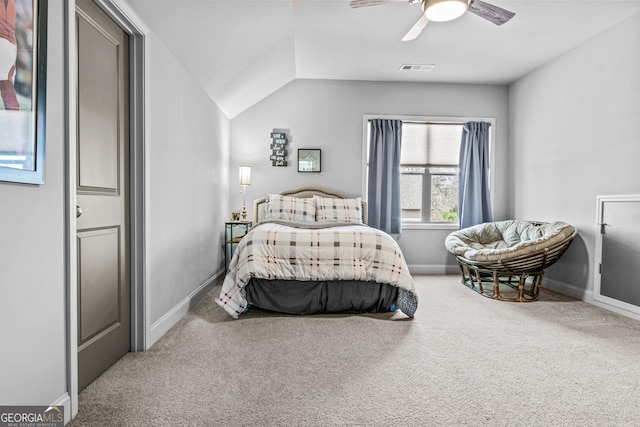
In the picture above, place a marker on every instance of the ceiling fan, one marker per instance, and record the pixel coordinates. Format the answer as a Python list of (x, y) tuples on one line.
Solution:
[(444, 10)]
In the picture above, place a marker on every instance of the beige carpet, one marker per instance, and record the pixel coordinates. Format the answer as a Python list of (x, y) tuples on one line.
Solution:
[(464, 360)]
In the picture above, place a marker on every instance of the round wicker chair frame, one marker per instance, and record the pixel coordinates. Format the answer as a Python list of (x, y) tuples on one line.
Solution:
[(523, 273)]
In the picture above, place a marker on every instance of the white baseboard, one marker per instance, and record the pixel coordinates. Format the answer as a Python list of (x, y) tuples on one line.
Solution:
[(65, 402), (588, 296), (568, 290), (166, 322), (624, 309), (433, 269)]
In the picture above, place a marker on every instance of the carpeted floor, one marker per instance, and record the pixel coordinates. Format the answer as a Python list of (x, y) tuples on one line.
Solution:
[(464, 360)]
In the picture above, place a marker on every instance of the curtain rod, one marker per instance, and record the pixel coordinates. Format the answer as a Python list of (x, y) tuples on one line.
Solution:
[(422, 122)]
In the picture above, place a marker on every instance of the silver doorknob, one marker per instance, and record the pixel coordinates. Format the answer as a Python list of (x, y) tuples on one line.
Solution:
[(78, 211)]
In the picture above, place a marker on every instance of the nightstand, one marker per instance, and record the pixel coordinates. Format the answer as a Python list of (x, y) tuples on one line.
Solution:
[(233, 233)]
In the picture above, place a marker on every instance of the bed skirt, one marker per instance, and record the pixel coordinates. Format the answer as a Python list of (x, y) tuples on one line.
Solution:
[(328, 297)]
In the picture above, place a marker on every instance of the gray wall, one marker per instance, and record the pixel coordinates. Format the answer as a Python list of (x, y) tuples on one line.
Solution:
[(187, 186), (574, 135), (32, 275), (328, 114)]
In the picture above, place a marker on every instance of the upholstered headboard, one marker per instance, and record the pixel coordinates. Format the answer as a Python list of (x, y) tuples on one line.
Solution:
[(303, 192)]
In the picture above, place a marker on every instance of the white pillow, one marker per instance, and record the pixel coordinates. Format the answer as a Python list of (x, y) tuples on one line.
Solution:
[(290, 208), (338, 210)]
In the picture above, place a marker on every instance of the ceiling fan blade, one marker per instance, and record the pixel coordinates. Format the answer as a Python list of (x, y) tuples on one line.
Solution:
[(417, 28), (364, 3), (492, 13)]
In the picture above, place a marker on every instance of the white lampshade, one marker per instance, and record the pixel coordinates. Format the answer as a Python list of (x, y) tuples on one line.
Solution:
[(245, 175), (444, 10)]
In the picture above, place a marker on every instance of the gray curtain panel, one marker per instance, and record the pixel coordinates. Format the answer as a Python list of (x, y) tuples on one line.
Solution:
[(473, 191), (383, 195)]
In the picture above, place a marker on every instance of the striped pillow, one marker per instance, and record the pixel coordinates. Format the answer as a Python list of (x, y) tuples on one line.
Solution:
[(341, 210), (290, 208)]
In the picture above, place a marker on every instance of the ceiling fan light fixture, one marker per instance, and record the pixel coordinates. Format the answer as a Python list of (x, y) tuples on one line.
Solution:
[(444, 10)]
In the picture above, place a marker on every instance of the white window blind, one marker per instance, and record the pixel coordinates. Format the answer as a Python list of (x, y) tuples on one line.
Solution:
[(430, 144)]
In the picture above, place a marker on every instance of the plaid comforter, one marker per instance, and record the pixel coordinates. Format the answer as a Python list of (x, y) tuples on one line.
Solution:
[(316, 251)]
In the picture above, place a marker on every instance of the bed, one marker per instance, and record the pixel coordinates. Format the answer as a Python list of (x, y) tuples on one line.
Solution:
[(310, 252)]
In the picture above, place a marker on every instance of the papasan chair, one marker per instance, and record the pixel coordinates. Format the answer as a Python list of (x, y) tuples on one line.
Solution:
[(509, 253)]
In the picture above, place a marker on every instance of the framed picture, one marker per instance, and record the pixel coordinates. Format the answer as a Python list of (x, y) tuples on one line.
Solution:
[(23, 50), (309, 160)]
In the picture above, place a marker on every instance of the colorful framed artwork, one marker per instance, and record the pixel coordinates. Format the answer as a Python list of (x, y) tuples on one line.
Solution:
[(23, 60)]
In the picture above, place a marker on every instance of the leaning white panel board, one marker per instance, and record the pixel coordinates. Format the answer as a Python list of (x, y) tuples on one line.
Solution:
[(617, 267)]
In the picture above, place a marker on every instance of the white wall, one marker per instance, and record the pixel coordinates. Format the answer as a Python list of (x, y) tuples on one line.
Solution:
[(187, 156), (328, 114), (32, 274), (574, 135)]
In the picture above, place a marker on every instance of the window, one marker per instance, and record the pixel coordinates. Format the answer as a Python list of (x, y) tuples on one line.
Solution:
[(429, 168), (429, 194), (429, 172)]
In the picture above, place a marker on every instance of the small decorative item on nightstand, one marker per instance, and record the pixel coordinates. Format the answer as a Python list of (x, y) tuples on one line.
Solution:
[(233, 232)]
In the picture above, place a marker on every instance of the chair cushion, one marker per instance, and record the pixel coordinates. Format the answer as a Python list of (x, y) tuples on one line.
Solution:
[(504, 240)]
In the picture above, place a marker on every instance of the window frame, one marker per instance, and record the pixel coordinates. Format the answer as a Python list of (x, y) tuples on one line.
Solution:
[(419, 225)]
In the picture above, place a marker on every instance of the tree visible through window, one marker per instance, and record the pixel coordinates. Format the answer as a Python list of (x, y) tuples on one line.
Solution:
[(429, 172)]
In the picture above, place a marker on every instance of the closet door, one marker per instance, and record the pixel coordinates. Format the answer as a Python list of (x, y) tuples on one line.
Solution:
[(617, 280), (102, 193)]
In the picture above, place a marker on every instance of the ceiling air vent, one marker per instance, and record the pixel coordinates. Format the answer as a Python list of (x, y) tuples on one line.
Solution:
[(417, 67)]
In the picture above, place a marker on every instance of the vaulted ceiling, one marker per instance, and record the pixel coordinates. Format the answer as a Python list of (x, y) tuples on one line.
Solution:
[(240, 51)]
